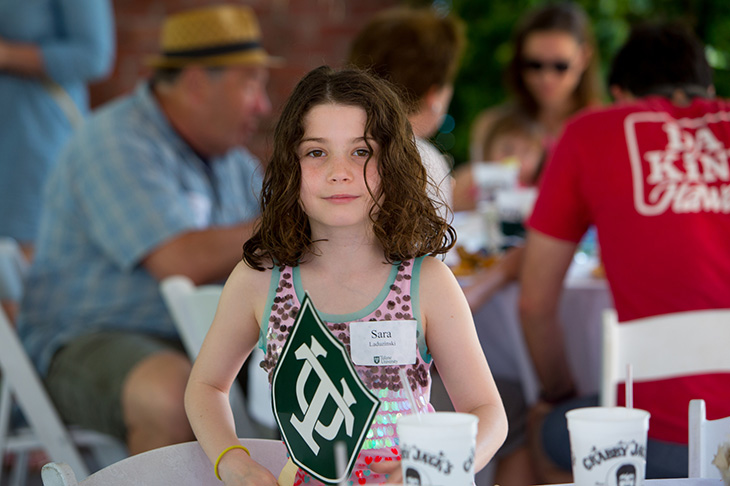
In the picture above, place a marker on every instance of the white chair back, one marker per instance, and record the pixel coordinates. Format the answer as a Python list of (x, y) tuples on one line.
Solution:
[(193, 308), (13, 269), (705, 436), (176, 465), (22, 385), (47, 431), (665, 346)]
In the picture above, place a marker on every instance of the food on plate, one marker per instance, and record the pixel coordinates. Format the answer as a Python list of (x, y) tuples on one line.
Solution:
[(599, 271), (722, 462), (470, 262)]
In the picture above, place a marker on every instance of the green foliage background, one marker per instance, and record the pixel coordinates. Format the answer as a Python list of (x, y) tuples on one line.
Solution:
[(489, 28)]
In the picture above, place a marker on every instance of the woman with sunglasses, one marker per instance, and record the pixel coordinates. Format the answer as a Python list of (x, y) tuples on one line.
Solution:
[(552, 75)]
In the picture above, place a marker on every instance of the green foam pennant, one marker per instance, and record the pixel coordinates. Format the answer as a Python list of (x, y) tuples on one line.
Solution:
[(318, 398)]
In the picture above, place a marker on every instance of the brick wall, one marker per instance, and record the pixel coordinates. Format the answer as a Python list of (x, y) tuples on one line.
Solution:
[(307, 33)]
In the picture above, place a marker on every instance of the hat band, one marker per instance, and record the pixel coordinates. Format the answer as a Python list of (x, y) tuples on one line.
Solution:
[(214, 51)]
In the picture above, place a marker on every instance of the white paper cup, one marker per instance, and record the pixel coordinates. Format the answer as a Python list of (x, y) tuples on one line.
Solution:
[(491, 176), (439, 449), (515, 204), (608, 445)]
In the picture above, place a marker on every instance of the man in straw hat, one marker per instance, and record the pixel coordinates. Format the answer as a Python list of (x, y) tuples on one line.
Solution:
[(154, 184)]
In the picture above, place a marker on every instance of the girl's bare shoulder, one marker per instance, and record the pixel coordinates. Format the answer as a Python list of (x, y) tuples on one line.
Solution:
[(245, 293), (250, 280), (435, 273)]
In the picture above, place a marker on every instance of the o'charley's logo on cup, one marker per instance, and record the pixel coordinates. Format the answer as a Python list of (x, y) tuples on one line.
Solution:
[(597, 456)]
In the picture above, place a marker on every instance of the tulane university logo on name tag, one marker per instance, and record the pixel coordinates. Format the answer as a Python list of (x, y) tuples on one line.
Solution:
[(318, 398), (383, 343)]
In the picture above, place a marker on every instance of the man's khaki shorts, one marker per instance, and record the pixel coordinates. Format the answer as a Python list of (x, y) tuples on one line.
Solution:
[(86, 376)]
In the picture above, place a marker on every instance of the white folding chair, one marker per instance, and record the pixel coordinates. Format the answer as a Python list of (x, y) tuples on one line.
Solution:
[(193, 308), (664, 346), (21, 385), (46, 430), (705, 436), (176, 465)]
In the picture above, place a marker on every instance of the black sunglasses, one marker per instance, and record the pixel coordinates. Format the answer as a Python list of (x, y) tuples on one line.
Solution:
[(535, 65)]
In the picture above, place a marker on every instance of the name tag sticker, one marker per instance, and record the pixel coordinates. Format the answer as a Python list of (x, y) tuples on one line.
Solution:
[(383, 343), (200, 207)]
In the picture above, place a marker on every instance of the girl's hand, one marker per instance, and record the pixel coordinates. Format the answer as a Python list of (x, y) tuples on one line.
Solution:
[(391, 468), (239, 472)]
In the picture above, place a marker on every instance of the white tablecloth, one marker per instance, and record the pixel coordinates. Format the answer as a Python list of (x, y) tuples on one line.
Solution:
[(500, 333)]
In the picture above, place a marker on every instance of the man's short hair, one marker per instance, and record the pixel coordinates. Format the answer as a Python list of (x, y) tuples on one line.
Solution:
[(660, 58), (414, 48)]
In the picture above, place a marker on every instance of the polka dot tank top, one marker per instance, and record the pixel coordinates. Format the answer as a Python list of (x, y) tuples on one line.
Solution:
[(398, 300)]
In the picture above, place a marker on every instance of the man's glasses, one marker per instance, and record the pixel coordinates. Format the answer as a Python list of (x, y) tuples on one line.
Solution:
[(560, 67)]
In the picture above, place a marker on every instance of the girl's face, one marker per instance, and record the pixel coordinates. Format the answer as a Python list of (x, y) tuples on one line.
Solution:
[(332, 154), (553, 62)]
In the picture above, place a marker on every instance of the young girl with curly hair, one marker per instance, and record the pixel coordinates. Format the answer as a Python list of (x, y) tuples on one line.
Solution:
[(345, 216)]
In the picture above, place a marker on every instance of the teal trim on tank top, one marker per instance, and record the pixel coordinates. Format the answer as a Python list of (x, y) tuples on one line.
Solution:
[(264, 324), (353, 316), (416, 305)]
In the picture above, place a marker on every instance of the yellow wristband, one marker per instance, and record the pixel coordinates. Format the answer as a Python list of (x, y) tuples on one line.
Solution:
[(220, 456)]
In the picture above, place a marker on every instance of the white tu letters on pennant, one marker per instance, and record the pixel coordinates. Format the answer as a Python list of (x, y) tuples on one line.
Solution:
[(326, 388)]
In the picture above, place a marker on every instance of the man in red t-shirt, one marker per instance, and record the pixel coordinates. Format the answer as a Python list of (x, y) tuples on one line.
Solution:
[(652, 175)]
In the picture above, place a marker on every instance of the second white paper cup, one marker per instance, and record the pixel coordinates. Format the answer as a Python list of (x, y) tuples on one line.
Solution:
[(438, 449), (608, 445)]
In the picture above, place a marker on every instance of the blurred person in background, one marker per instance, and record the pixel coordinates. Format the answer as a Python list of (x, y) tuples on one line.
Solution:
[(154, 184), (49, 51), (552, 75), (419, 51), (639, 171)]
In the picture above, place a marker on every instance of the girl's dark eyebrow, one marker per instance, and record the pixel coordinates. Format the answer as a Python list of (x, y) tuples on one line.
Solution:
[(312, 139), (320, 140)]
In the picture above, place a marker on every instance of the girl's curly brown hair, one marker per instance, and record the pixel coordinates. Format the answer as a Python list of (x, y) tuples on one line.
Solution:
[(405, 221)]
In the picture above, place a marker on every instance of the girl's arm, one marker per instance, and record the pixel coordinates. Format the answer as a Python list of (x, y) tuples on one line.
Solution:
[(452, 341), (232, 336)]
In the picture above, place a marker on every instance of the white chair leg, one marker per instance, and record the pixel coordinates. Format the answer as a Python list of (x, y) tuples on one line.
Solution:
[(33, 399), (19, 471), (5, 407), (6, 404)]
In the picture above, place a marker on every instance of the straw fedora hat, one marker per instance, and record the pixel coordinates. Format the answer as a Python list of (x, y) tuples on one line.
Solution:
[(223, 35)]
